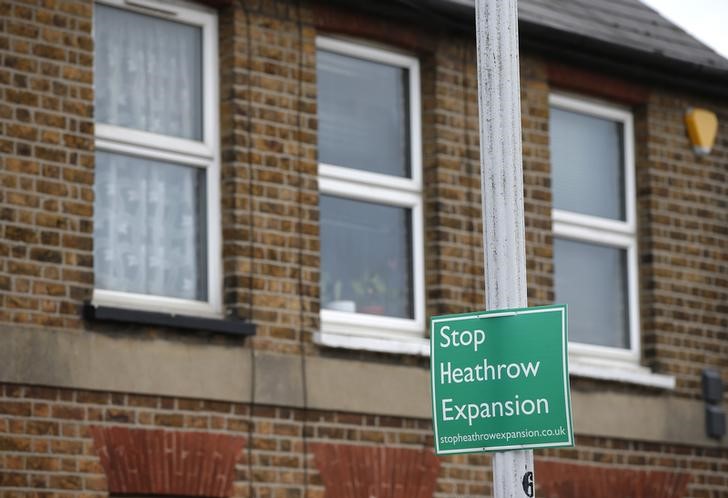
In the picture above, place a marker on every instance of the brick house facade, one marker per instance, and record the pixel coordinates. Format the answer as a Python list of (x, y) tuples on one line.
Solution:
[(134, 404)]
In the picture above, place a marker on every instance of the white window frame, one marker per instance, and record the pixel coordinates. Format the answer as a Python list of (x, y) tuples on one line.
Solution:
[(204, 154), (386, 190), (607, 232)]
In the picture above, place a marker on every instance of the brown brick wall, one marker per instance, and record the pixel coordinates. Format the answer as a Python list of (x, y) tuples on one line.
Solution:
[(453, 233), (270, 199), (537, 181), (269, 185), (271, 244), (236, 155), (46, 161), (46, 445), (683, 218)]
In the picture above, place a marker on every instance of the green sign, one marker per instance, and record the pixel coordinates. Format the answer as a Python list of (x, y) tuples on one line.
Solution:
[(500, 380)]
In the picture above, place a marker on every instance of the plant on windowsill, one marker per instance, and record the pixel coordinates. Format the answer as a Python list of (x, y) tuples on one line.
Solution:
[(371, 293), (331, 296)]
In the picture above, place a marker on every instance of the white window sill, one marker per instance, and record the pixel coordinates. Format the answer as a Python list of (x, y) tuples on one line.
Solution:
[(400, 345), (156, 304), (616, 372), (420, 346)]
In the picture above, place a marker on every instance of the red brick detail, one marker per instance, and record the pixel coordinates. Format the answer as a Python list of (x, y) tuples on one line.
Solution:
[(584, 81), (143, 461), (335, 20), (376, 472), (566, 480)]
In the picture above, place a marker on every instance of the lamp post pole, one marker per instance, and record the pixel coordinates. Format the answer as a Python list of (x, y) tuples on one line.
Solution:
[(501, 172)]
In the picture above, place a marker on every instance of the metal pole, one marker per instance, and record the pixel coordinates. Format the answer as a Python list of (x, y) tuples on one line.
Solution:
[(501, 171)]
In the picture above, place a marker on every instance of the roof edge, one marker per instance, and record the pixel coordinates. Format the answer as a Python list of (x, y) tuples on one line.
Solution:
[(601, 55), (625, 61)]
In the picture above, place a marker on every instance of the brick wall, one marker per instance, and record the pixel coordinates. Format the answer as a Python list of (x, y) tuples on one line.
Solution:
[(683, 218), (454, 253), (46, 444), (537, 181), (46, 161), (269, 185), (270, 199), (271, 244)]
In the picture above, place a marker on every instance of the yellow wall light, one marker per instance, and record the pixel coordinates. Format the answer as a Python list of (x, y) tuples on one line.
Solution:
[(702, 127)]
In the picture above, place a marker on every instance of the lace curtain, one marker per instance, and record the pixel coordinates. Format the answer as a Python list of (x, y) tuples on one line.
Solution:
[(149, 221), (149, 235), (148, 73)]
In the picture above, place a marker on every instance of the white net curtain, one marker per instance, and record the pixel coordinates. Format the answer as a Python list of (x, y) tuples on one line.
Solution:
[(149, 221)]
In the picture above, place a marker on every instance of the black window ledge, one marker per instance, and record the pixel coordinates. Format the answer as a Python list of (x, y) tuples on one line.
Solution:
[(232, 326)]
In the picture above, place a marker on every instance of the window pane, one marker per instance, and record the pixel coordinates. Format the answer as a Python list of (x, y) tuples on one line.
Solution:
[(149, 227), (588, 165), (363, 114), (366, 255), (148, 73), (592, 280)]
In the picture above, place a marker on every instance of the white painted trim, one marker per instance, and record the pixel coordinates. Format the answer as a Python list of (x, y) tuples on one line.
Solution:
[(594, 235), (387, 190), (395, 345), (144, 152), (418, 264), (362, 192), (621, 373), (183, 11), (134, 137), (605, 231), (203, 154), (158, 304), (211, 132), (603, 225), (591, 353), (633, 287), (332, 172), (415, 106), (376, 324)]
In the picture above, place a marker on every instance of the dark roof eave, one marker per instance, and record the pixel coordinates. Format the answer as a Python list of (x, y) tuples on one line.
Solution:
[(632, 63), (565, 46), (618, 59), (600, 55)]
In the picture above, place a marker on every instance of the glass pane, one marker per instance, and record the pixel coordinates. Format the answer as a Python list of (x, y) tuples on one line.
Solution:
[(592, 280), (363, 114), (366, 257), (587, 163), (148, 73), (149, 227)]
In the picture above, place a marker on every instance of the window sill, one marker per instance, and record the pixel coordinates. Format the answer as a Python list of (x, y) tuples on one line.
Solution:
[(123, 315), (419, 346), (620, 372)]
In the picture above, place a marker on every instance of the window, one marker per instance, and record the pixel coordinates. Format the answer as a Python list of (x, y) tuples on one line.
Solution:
[(156, 210), (595, 245), (370, 191)]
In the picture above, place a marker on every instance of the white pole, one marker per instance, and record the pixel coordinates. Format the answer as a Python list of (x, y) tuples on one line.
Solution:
[(501, 171)]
